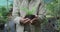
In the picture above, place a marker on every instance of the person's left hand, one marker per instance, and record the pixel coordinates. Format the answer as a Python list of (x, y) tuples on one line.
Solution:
[(34, 20)]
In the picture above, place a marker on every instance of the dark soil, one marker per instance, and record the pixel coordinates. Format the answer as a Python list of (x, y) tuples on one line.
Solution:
[(30, 16)]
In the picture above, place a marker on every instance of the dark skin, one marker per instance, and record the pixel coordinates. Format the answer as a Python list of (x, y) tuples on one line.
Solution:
[(25, 20)]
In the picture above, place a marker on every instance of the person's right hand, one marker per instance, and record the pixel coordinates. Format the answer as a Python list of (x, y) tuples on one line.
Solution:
[(24, 20)]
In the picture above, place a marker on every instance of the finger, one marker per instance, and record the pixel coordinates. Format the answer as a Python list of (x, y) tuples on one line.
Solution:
[(23, 19), (32, 20), (27, 21), (36, 16), (26, 18)]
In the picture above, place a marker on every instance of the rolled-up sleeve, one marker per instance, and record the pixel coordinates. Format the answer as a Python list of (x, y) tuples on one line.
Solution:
[(42, 13)]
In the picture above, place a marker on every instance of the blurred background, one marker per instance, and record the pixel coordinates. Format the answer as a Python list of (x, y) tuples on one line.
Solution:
[(52, 13)]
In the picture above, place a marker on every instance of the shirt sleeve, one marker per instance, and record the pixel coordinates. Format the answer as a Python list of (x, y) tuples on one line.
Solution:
[(42, 13), (17, 20), (16, 8)]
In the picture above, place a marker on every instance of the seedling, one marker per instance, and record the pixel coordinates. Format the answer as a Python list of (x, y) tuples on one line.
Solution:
[(29, 13)]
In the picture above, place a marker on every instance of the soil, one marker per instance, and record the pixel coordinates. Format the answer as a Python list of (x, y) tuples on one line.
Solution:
[(30, 16)]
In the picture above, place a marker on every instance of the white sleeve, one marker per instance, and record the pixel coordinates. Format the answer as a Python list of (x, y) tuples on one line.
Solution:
[(16, 8), (17, 20), (42, 11)]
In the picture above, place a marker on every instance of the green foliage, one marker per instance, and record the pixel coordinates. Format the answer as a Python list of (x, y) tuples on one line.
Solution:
[(28, 11), (3, 12), (53, 9), (58, 22)]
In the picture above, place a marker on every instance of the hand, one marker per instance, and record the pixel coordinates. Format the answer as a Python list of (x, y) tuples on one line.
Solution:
[(35, 19), (24, 20)]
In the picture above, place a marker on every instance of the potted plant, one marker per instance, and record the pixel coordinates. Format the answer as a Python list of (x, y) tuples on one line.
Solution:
[(29, 13)]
